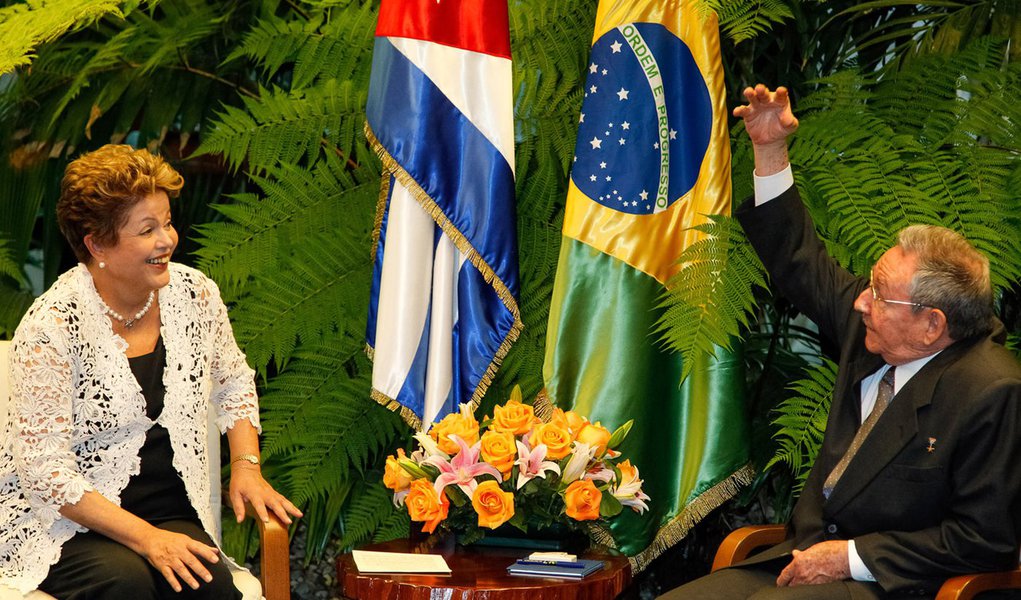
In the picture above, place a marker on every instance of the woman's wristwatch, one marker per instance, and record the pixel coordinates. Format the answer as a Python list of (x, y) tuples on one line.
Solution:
[(251, 458)]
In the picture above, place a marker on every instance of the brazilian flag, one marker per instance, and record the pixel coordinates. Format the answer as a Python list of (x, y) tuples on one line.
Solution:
[(651, 160)]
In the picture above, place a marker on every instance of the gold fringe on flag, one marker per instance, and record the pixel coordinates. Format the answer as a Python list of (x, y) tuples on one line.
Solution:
[(696, 510)]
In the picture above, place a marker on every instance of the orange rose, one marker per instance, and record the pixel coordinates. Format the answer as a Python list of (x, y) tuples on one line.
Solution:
[(499, 450), (582, 499), (461, 424), (594, 435), (394, 475), (557, 439), (514, 417), (569, 420), (493, 505), (425, 505)]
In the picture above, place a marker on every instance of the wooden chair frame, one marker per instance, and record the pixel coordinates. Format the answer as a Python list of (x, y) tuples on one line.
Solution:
[(742, 542), (274, 556)]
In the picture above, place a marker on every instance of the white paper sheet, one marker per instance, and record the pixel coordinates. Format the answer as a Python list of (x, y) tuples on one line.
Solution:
[(399, 562)]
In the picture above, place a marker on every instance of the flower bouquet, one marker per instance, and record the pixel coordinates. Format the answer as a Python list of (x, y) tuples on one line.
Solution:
[(513, 468)]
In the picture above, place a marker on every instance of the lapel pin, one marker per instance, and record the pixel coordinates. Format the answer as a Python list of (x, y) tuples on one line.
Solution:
[(932, 445)]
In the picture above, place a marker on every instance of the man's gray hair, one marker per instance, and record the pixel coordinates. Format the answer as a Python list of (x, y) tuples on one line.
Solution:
[(952, 276)]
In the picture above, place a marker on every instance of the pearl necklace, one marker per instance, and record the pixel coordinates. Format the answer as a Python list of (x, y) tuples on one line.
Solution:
[(129, 323)]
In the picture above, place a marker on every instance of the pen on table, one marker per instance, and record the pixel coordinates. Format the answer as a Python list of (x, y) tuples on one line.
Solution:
[(552, 563)]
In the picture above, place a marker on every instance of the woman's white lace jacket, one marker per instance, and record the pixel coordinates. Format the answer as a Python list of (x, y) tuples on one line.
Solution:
[(77, 415)]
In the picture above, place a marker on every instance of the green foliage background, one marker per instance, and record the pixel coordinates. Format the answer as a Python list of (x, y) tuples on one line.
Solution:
[(907, 112)]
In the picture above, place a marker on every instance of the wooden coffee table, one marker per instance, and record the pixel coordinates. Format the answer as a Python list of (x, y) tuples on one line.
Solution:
[(477, 574)]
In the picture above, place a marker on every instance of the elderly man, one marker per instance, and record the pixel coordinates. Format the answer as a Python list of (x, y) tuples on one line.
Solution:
[(918, 475)]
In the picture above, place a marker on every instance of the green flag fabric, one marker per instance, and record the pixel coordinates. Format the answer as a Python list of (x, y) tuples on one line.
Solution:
[(651, 160)]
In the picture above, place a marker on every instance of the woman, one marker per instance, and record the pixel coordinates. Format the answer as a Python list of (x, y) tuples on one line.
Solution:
[(104, 474)]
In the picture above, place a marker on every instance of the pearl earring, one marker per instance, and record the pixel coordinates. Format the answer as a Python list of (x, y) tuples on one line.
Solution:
[(102, 265)]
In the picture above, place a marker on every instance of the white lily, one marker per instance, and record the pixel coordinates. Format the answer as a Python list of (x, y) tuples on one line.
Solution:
[(578, 463)]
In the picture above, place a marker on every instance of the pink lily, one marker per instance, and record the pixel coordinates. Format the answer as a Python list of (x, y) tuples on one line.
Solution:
[(462, 469), (599, 472), (629, 489), (531, 464)]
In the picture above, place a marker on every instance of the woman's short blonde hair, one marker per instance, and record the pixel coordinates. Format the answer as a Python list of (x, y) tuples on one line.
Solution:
[(100, 187)]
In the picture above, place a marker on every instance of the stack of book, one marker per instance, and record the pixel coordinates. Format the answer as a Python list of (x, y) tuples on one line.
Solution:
[(554, 564)]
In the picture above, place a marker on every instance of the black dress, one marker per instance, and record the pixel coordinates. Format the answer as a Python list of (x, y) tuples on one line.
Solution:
[(94, 567), (157, 492)]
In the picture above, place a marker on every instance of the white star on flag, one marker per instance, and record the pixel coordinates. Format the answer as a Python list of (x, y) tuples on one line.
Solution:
[(673, 134), (644, 195), (591, 177), (625, 125), (616, 47), (593, 68), (596, 143), (582, 118), (602, 165), (592, 89), (622, 94), (621, 141)]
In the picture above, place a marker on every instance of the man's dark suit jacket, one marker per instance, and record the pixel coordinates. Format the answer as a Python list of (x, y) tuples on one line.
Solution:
[(934, 489)]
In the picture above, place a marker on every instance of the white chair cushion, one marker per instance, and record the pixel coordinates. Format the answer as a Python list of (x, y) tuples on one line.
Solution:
[(7, 593)]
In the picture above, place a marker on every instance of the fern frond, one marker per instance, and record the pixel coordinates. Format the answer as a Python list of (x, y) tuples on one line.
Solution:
[(396, 526), (297, 203), (343, 51), (25, 26), (897, 152), (710, 300), (801, 421), (323, 423), (272, 42), (371, 508), (284, 127), (745, 19), (316, 289)]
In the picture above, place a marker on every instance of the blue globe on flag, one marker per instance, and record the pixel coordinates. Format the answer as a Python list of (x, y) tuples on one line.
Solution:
[(644, 127)]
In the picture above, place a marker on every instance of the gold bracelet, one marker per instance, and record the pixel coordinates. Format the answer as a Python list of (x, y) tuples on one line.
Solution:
[(247, 458)]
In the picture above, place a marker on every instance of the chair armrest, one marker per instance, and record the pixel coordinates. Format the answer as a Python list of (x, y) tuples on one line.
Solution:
[(741, 542), (966, 587), (274, 556)]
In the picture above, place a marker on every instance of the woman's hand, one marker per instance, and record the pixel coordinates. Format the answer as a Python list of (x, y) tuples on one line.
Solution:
[(178, 557), (247, 484)]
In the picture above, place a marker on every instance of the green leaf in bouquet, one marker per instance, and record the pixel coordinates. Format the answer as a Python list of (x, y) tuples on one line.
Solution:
[(610, 506), (413, 469), (618, 436)]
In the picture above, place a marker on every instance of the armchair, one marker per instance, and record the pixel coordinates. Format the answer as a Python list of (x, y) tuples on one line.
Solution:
[(275, 553), (742, 542)]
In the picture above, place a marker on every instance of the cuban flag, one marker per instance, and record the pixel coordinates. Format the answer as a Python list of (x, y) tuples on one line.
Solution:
[(444, 309)]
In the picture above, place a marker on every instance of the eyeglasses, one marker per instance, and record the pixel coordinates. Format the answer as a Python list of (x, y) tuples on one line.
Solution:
[(877, 298)]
